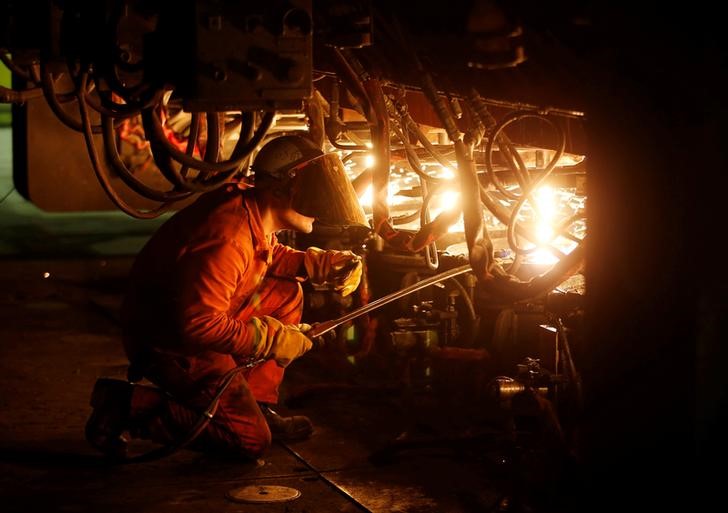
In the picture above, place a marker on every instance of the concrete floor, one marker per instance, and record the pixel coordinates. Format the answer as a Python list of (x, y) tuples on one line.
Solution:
[(61, 282), (59, 333)]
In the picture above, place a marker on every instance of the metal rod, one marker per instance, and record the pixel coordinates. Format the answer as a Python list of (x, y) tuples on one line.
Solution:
[(327, 326)]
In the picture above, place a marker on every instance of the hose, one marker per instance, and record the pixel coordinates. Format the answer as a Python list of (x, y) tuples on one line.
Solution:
[(202, 422), (410, 152), (370, 95), (49, 91), (564, 341), (526, 194), (474, 317), (98, 167), (12, 96), (114, 159), (480, 248), (104, 104), (240, 153), (17, 70)]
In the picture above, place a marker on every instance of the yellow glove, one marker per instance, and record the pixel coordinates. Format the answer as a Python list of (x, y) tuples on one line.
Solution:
[(275, 340), (321, 340), (342, 269)]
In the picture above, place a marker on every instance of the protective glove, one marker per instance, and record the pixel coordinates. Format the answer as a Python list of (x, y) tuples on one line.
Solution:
[(275, 340), (342, 269), (320, 341)]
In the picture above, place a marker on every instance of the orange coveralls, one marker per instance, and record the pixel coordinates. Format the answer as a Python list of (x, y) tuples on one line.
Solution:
[(203, 274)]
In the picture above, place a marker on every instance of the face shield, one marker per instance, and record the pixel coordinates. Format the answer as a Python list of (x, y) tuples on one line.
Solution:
[(321, 189)]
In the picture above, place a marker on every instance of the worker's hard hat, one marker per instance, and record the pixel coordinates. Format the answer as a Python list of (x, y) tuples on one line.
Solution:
[(316, 180)]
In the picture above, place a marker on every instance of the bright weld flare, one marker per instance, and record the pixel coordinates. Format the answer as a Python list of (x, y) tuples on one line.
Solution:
[(449, 200), (444, 201), (366, 199), (447, 173), (546, 201)]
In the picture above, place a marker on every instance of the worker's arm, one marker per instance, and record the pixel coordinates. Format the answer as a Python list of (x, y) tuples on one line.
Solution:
[(208, 275), (286, 262), (341, 269)]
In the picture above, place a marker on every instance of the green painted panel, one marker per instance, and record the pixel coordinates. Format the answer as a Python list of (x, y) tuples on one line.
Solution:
[(4, 107)]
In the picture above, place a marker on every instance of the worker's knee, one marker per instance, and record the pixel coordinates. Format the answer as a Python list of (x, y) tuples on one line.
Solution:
[(254, 441)]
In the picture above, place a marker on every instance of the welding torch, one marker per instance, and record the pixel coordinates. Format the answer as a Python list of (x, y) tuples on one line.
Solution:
[(324, 327)]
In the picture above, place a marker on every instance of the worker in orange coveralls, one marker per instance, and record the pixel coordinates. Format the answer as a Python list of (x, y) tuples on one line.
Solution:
[(213, 289)]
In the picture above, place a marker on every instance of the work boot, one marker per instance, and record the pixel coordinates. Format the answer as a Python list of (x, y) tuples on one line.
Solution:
[(111, 402), (287, 429)]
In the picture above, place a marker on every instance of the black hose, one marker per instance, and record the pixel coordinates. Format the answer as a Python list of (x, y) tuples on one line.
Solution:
[(105, 105), (411, 154), (212, 148), (512, 157), (25, 75), (114, 159), (202, 422), (191, 141), (49, 91), (240, 153), (158, 145), (98, 167), (413, 127), (12, 96)]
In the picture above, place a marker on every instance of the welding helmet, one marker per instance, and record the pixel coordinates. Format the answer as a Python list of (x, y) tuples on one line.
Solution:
[(316, 181)]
